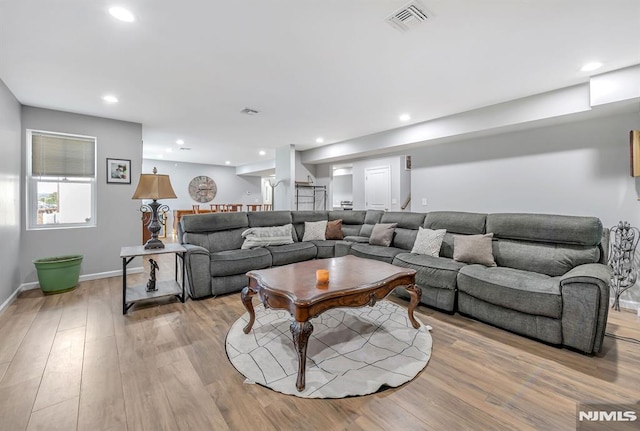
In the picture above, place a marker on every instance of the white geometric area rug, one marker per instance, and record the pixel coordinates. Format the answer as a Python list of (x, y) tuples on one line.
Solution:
[(351, 351)]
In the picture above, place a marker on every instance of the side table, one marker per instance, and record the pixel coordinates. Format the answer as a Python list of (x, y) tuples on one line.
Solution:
[(133, 294)]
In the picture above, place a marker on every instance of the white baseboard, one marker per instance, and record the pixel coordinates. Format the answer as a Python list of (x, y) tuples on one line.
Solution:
[(10, 299), (629, 305), (85, 277)]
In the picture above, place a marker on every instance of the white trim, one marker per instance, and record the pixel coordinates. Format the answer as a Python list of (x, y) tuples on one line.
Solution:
[(31, 207), (9, 300), (85, 277), (629, 305)]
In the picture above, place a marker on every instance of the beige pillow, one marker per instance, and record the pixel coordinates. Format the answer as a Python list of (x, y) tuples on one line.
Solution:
[(314, 230), (474, 249), (428, 241), (382, 234)]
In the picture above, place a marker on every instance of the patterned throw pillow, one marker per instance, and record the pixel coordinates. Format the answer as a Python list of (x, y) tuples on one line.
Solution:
[(428, 241), (255, 237), (334, 230), (314, 230)]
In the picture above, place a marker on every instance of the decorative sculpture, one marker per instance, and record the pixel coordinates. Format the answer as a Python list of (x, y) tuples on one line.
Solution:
[(622, 249), (151, 284)]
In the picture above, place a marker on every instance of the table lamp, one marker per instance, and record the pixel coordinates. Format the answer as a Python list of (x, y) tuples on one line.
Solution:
[(154, 186)]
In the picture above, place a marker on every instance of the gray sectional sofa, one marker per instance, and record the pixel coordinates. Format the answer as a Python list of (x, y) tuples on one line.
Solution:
[(550, 281)]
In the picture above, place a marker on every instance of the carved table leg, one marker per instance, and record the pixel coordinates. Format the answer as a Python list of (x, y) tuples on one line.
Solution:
[(416, 293), (301, 332), (247, 295)]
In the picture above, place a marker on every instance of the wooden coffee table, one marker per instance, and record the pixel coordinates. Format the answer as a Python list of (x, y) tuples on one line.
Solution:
[(353, 282)]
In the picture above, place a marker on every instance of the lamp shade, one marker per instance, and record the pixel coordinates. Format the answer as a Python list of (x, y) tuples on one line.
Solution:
[(154, 186)]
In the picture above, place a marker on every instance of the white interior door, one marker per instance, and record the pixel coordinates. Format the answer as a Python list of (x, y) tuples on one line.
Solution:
[(377, 188)]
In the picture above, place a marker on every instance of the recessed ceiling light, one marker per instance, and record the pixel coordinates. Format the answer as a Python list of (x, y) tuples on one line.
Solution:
[(319, 140), (591, 66), (227, 162), (405, 117), (110, 98), (180, 142), (122, 14), (169, 150), (262, 152)]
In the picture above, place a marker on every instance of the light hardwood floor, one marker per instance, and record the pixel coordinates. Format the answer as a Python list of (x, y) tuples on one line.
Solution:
[(73, 361)]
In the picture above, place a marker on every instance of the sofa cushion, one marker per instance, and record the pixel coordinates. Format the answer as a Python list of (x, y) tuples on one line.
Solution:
[(406, 229), (371, 218), (263, 236), (586, 231), (545, 258), (382, 234), (268, 218), (325, 248), (377, 252), (217, 240), (213, 222), (456, 222), (474, 249), (291, 253), (314, 230), (524, 291), (334, 230), (232, 262), (352, 221), (362, 239), (432, 271), (428, 241)]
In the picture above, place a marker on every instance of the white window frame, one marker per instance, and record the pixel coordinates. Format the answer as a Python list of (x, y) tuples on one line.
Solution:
[(31, 207)]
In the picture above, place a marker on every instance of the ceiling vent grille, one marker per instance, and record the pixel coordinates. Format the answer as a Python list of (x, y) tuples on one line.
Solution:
[(408, 16), (249, 111)]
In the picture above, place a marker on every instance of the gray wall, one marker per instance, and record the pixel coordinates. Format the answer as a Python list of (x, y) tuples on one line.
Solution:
[(580, 168), (118, 219), (10, 221), (232, 189)]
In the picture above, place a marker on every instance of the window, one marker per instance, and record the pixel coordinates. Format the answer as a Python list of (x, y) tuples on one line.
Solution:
[(61, 180)]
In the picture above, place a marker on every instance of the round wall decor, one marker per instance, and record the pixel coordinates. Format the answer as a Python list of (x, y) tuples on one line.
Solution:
[(202, 189)]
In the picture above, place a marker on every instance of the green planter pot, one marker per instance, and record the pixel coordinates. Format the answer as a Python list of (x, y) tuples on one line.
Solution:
[(58, 274)]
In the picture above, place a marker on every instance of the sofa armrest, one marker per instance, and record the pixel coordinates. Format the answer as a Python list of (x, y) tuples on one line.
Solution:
[(197, 265), (585, 306)]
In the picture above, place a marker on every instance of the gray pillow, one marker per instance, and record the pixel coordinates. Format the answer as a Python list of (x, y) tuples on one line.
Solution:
[(474, 249), (382, 234), (263, 236), (428, 241)]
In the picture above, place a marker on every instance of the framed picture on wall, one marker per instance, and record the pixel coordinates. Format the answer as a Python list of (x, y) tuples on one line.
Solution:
[(118, 171), (407, 163)]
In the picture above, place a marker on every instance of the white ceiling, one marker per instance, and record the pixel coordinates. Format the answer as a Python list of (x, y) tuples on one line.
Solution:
[(330, 68)]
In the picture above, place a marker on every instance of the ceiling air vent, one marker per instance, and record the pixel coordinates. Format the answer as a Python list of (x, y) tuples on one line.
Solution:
[(249, 111), (408, 16), (185, 149)]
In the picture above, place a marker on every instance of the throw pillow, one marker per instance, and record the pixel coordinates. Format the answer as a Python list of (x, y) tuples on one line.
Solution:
[(382, 234), (428, 241), (334, 230), (474, 249), (314, 230), (255, 237)]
